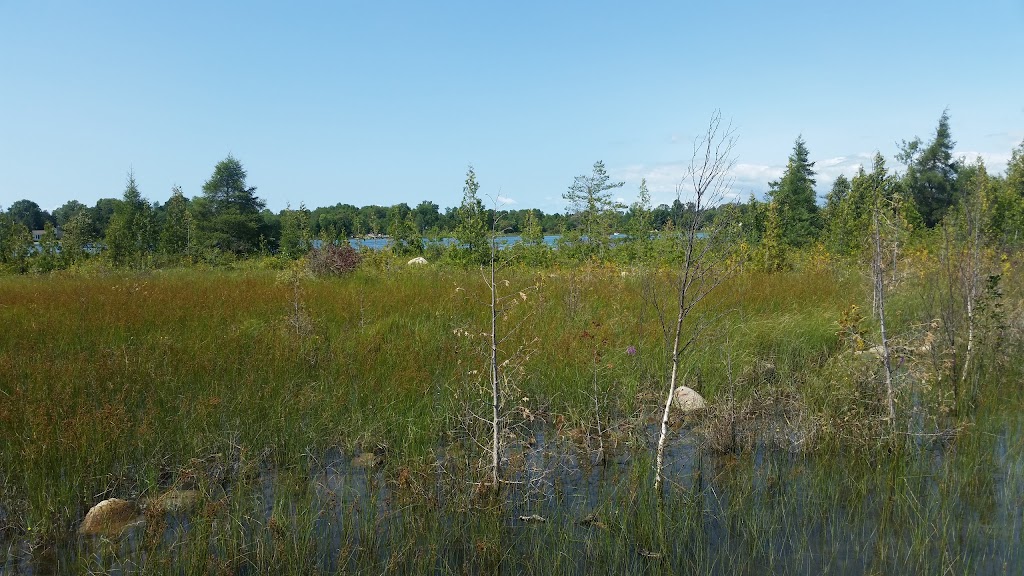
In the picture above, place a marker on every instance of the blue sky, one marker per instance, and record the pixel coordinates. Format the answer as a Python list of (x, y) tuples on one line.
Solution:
[(385, 102)]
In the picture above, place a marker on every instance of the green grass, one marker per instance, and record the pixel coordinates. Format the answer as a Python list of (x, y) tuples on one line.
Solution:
[(125, 384)]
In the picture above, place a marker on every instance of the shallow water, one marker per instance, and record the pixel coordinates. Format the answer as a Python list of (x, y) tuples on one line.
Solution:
[(769, 510)]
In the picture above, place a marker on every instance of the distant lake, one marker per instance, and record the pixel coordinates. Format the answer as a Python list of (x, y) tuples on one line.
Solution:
[(380, 243)]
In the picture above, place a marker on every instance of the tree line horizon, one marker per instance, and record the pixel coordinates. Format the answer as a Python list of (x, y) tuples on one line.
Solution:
[(229, 218)]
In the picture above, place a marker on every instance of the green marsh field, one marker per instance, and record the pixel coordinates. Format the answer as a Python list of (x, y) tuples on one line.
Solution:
[(267, 421)]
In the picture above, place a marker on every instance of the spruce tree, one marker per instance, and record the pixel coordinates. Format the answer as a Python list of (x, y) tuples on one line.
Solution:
[(129, 236), (234, 221), (932, 174), (795, 200)]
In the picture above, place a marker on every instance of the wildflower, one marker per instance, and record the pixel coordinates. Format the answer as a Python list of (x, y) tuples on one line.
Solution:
[(631, 350)]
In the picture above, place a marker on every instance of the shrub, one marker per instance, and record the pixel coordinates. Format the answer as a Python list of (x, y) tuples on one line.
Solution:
[(330, 260)]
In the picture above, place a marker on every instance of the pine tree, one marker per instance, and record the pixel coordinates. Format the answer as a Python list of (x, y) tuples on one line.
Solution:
[(590, 199), (795, 199)]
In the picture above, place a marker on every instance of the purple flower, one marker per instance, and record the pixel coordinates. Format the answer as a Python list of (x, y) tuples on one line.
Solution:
[(631, 350)]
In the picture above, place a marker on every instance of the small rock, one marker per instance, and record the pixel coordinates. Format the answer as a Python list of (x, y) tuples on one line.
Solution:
[(419, 260), (687, 400), (111, 518)]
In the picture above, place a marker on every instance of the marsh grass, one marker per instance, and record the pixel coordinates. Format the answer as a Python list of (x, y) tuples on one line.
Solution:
[(126, 385)]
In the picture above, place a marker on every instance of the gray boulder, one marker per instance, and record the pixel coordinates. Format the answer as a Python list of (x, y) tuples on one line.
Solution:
[(687, 400)]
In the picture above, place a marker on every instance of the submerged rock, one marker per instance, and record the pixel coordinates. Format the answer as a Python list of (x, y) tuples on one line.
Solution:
[(417, 261), (175, 501), (687, 400), (111, 518), (367, 460)]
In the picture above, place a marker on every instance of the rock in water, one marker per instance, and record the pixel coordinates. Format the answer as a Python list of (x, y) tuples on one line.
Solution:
[(417, 261), (175, 501), (110, 518), (367, 460), (687, 400)]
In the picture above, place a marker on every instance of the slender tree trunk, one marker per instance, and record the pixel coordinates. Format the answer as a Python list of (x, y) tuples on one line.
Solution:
[(495, 391), (880, 295), (684, 282)]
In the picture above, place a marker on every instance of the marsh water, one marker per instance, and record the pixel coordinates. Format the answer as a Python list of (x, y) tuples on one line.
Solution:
[(571, 507)]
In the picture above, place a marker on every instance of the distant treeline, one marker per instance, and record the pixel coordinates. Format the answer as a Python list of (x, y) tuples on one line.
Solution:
[(229, 220)]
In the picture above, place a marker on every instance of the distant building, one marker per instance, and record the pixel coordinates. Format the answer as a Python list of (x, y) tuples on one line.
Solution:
[(37, 235)]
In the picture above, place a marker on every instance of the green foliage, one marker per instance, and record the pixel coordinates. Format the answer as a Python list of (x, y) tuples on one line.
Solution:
[(850, 204), (296, 237), (78, 234), (640, 226), (405, 238), (28, 214), (471, 229), (15, 244), (65, 213), (795, 199), (130, 235), (47, 257), (231, 219), (1005, 197), (931, 173), (591, 202), (773, 250), (179, 226)]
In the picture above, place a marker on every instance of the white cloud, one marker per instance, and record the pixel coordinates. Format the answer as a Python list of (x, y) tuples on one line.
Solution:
[(505, 201), (995, 162), (666, 180)]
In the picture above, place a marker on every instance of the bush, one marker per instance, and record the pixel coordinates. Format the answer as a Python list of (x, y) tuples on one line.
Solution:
[(330, 260)]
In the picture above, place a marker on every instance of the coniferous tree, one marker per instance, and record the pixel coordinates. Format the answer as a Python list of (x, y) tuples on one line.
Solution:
[(590, 199), (129, 236), (795, 199), (233, 222), (932, 172), (641, 223)]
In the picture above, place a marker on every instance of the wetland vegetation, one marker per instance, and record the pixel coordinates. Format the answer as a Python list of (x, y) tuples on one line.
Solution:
[(331, 411)]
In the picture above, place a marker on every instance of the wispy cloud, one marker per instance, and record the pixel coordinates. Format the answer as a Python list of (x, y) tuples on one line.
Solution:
[(505, 201)]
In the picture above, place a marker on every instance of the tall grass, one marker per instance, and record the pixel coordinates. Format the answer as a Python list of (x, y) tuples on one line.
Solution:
[(257, 394)]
